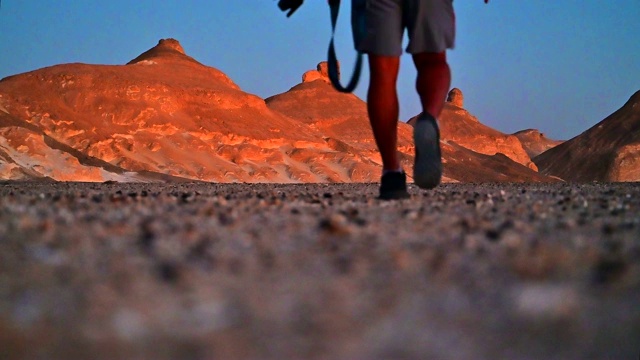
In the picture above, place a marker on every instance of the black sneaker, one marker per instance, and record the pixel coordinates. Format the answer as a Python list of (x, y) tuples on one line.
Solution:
[(393, 186), (427, 169)]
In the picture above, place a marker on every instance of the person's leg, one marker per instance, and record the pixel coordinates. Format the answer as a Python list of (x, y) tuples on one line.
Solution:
[(432, 84), (381, 39), (431, 28), (433, 81), (383, 108)]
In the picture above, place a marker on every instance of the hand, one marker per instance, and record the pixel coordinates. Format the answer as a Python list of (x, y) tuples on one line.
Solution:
[(291, 5)]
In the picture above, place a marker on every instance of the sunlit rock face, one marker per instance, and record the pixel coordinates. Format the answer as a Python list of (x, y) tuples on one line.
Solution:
[(320, 73), (166, 117), (456, 98), (163, 113), (608, 151)]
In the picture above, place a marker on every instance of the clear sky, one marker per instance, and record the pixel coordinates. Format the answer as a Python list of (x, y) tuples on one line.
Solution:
[(556, 65)]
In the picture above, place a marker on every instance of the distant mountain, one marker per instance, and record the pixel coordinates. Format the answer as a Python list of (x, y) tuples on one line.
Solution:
[(534, 142), (609, 151), (166, 117)]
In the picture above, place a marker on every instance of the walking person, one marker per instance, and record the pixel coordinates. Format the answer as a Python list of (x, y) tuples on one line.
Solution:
[(430, 25)]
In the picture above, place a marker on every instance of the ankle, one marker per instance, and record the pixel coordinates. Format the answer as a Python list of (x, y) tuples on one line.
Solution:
[(387, 171)]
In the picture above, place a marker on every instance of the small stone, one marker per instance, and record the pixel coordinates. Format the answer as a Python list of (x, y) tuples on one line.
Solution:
[(609, 269), (335, 224), (493, 234), (542, 301), (168, 272)]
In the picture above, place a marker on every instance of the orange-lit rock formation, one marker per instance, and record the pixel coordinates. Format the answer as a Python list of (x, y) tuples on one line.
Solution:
[(343, 120), (165, 116), (164, 112)]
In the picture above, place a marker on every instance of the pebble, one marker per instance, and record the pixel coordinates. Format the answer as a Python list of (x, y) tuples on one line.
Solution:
[(546, 301)]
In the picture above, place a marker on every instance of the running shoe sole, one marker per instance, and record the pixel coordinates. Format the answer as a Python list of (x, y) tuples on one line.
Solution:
[(427, 169)]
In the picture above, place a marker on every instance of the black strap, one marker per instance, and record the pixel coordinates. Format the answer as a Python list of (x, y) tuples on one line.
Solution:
[(332, 60)]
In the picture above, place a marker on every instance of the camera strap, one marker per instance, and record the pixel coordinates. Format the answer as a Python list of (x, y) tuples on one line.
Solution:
[(332, 60)]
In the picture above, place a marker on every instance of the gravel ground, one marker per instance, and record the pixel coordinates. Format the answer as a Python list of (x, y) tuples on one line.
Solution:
[(238, 271)]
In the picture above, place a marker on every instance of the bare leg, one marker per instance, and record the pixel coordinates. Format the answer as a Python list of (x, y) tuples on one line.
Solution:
[(383, 108), (432, 84), (433, 81)]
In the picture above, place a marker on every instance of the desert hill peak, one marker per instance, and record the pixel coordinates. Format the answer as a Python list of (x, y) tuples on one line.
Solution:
[(456, 98), (172, 44), (165, 49), (535, 142), (320, 73)]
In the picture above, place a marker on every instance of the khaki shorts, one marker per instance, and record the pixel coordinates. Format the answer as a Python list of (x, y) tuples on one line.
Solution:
[(379, 25)]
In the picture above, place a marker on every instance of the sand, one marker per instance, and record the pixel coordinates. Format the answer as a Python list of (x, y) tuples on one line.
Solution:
[(238, 271)]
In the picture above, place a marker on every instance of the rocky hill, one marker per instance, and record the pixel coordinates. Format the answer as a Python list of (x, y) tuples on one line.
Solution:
[(534, 142), (165, 116), (609, 151), (163, 112), (343, 120)]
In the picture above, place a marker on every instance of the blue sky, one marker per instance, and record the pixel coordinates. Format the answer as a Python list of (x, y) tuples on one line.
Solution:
[(556, 65)]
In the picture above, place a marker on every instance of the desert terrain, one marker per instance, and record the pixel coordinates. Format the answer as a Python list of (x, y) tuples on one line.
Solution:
[(319, 271), (155, 210)]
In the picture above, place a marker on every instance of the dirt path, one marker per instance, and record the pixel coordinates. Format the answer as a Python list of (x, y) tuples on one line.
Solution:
[(202, 271)]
